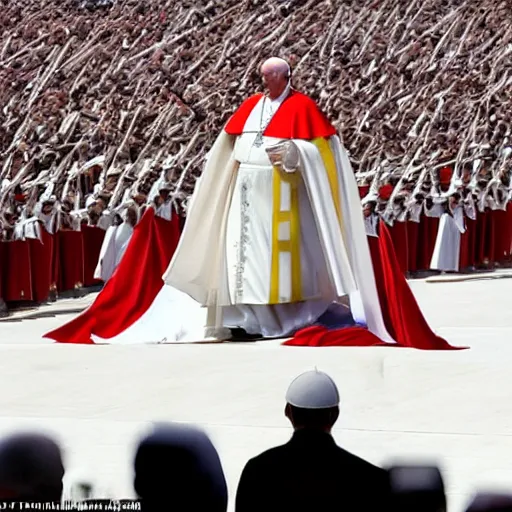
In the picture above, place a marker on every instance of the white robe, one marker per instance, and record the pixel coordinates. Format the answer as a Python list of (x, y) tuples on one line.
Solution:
[(447, 249), (112, 250), (29, 228), (371, 224), (223, 258)]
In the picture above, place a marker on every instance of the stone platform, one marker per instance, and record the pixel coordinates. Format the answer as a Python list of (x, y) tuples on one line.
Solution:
[(449, 407)]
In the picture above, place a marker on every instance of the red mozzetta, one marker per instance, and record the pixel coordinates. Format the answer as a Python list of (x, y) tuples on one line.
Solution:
[(298, 117)]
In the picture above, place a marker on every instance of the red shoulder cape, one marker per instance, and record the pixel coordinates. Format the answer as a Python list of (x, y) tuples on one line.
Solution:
[(298, 117)]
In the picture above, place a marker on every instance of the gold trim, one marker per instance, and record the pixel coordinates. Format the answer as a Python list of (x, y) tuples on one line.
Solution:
[(324, 148), (291, 246)]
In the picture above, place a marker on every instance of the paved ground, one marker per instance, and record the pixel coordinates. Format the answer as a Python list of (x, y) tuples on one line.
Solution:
[(452, 407)]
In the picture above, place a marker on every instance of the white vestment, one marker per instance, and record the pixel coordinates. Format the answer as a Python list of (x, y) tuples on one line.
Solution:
[(27, 228), (112, 250), (165, 210), (447, 248), (237, 251), (371, 224)]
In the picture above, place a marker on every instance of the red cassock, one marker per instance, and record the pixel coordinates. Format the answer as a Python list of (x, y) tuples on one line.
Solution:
[(402, 315), (71, 259), (3, 265), (501, 240), (93, 240), (509, 229), (413, 229), (41, 257), (490, 235), (398, 233), (485, 234), (467, 245), (132, 288), (16, 273)]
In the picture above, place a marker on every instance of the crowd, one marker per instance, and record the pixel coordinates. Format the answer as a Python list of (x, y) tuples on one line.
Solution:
[(440, 221), (176, 467), (444, 219), (102, 100), (55, 247)]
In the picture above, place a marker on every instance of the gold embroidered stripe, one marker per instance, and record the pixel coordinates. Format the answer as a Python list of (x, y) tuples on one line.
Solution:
[(291, 246), (329, 161)]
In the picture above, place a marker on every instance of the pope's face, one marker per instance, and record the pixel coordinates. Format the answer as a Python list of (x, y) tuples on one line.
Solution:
[(274, 82)]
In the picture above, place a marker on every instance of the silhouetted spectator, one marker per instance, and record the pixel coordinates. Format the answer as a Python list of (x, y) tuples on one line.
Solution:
[(31, 468), (491, 502), (417, 488), (310, 472), (178, 468)]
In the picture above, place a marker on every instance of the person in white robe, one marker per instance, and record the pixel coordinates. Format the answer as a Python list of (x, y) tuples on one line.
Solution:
[(163, 202), (371, 218), (116, 240), (274, 232), (447, 248)]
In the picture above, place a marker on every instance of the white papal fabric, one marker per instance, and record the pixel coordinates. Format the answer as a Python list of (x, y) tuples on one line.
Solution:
[(249, 244), (209, 265)]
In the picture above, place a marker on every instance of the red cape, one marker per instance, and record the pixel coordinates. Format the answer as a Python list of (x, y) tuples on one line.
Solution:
[(298, 117), (132, 288), (402, 315)]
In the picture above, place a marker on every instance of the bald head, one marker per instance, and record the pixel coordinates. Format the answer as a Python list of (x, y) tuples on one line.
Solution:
[(276, 65), (275, 73)]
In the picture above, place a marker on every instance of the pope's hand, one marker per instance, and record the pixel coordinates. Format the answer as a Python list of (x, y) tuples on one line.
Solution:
[(276, 159), (283, 156)]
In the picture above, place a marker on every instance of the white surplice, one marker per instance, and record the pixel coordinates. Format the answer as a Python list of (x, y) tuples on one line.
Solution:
[(112, 250), (447, 248)]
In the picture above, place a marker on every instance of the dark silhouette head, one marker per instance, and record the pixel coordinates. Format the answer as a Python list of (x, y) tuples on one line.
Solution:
[(491, 502), (31, 468), (178, 468), (418, 488)]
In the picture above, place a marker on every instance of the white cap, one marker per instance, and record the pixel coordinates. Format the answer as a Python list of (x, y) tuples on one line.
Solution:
[(313, 390)]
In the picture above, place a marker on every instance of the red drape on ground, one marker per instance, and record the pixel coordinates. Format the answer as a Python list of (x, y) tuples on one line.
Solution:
[(398, 234), (16, 278), (41, 259), (71, 258), (413, 229), (93, 239), (402, 315), (427, 235), (133, 287), (467, 245)]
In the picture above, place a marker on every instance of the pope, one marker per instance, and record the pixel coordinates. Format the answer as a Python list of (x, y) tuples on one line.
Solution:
[(275, 233)]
